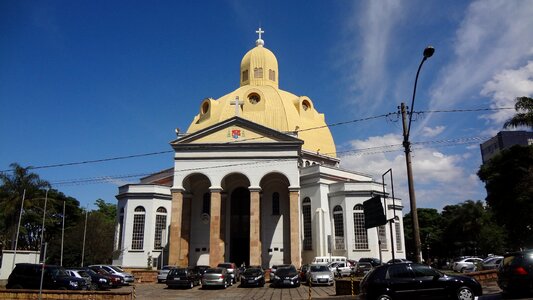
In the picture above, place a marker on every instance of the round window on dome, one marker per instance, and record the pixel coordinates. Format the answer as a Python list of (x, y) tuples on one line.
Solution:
[(254, 98), (306, 105), (205, 107)]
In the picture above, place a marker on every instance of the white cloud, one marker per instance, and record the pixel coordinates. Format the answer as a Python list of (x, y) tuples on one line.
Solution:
[(440, 179), (432, 132), (495, 35), (374, 21), (503, 88)]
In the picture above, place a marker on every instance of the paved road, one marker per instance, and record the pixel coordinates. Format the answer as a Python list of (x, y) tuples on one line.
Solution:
[(154, 291)]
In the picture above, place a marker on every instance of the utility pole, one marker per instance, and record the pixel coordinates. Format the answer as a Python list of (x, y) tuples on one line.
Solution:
[(412, 197)]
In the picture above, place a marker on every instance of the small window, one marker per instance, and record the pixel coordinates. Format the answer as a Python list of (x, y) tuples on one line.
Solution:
[(272, 75), (205, 107), (275, 204), (306, 105), (254, 98), (258, 73), (245, 75)]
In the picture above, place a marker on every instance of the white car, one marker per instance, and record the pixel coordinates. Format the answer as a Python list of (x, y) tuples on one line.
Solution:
[(466, 264)]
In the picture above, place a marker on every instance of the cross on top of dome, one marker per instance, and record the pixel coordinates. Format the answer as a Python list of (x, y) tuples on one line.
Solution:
[(259, 41)]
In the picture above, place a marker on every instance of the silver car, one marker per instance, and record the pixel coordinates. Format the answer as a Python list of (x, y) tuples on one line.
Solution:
[(216, 277), (320, 274), (466, 264)]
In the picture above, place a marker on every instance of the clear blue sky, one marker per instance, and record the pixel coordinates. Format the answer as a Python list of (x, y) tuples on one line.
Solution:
[(89, 80)]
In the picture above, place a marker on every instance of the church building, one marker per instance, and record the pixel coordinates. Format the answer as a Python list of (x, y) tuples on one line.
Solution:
[(255, 180)]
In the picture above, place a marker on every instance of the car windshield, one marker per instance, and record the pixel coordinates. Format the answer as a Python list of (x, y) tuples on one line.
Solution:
[(227, 266), (90, 272), (252, 271), (213, 271), (58, 272), (118, 269), (179, 272), (319, 268)]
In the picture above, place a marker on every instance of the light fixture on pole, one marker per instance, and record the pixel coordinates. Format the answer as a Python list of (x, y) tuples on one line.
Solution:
[(428, 52), (62, 235), (42, 227)]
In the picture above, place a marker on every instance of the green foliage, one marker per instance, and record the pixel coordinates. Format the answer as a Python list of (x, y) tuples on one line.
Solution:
[(508, 179), (524, 114), (463, 229), (100, 223)]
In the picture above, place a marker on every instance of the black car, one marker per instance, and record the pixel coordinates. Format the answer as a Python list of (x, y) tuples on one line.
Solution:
[(286, 276), (200, 269), (373, 261), (253, 277), (100, 281), (28, 276), (183, 277), (416, 281), (515, 273)]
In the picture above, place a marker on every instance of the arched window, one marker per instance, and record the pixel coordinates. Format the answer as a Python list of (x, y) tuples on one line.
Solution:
[(137, 240), (397, 228), (160, 224), (275, 203), (360, 235), (338, 223), (206, 204), (382, 235), (120, 227), (308, 233), (244, 75)]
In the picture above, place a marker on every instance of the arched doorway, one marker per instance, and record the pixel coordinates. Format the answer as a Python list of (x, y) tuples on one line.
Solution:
[(239, 251)]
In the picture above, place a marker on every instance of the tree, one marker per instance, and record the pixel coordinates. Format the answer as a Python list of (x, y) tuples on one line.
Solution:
[(12, 189), (469, 229), (430, 222), (508, 178), (524, 114)]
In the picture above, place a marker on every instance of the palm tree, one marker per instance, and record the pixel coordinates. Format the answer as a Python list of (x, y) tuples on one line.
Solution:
[(524, 113), (12, 186)]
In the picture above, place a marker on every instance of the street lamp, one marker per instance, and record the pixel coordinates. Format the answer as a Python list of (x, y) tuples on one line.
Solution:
[(428, 52)]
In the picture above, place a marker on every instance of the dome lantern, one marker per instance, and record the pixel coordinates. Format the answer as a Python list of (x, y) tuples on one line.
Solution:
[(259, 66)]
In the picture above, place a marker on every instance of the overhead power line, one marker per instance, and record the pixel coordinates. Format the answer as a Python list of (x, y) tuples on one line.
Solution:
[(243, 140)]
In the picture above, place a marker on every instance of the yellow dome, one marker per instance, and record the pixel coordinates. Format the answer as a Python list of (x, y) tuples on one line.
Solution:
[(262, 102)]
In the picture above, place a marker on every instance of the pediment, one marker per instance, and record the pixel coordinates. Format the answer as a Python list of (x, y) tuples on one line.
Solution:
[(236, 130)]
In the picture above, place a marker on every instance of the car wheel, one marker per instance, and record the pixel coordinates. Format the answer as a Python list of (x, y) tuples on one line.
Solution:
[(463, 269), (465, 293), (159, 280), (384, 297), (191, 285)]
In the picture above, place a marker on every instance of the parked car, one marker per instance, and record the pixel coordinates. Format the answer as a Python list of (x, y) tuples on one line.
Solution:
[(116, 270), (200, 269), (232, 270), (216, 277), (416, 281), (320, 274), (101, 282), (515, 273), (183, 277), (466, 264), (362, 268), (373, 261), (115, 281), (491, 263), (253, 277), (399, 260), (162, 274), (28, 276), (82, 275), (340, 268), (303, 272), (286, 276)]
